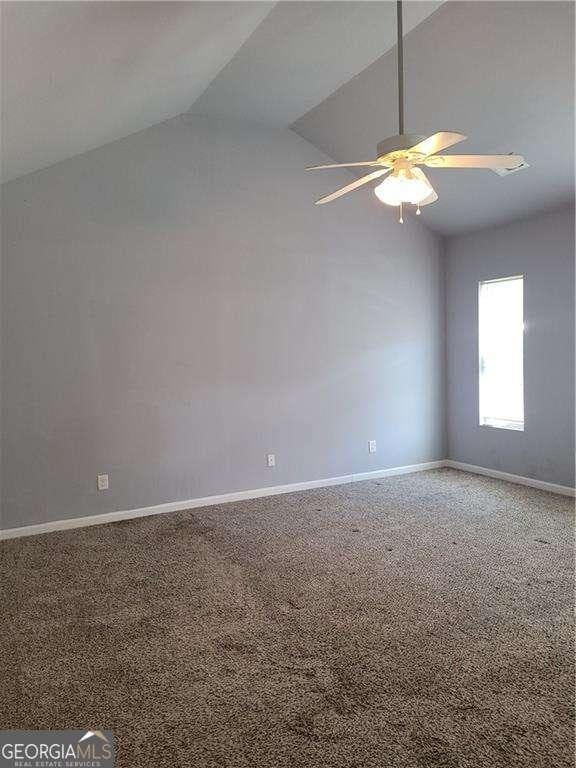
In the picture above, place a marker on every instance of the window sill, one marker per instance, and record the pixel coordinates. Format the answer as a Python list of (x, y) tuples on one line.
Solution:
[(514, 426)]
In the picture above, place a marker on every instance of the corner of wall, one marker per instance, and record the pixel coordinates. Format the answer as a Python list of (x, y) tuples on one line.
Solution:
[(443, 248)]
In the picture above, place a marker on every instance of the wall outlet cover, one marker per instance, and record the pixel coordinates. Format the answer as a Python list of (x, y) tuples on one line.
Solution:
[(103, 483)]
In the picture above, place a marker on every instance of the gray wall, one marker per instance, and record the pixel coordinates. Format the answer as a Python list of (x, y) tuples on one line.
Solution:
[(542, 249), (174, 307)]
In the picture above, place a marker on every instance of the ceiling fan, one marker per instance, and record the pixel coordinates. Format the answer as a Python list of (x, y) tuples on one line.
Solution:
[(398, 157)]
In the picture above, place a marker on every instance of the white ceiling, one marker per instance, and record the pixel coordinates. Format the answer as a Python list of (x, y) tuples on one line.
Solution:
[(76, 75), (300, 54)]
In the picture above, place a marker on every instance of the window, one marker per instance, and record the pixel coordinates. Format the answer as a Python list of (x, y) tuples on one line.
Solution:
[(501, 350)]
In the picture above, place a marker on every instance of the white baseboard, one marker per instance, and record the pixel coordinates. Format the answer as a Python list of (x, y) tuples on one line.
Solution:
[(275, 490), (208, 501), (358, 478), (564, 490)]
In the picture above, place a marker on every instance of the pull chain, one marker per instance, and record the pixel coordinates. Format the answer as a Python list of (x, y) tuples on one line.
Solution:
[(418, 210), (401, 220)]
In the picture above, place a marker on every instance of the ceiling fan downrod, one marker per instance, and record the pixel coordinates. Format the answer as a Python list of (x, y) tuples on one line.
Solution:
[(400, 50)]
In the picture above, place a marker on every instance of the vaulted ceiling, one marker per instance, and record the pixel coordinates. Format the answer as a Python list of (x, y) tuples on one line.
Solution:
[(300, 54), (77, 75)]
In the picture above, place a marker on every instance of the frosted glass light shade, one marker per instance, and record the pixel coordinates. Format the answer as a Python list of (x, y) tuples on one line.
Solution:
[(403, 186)]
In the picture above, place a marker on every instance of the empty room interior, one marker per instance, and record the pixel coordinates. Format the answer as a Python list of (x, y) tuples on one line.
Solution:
[(287, 384)]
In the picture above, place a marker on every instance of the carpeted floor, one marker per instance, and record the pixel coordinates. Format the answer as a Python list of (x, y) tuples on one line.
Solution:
[(421, 621)]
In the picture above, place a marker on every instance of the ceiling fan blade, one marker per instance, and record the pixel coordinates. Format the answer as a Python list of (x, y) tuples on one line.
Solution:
[(474, 161), (342, 165), (437, 142), (351, 187), (432, 197)]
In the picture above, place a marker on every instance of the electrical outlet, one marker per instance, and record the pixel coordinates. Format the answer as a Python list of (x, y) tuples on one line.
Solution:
[(103, 483), (271, 460), (372, 446)]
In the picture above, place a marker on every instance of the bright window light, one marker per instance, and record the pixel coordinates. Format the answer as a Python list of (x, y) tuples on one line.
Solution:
[(501, 348)]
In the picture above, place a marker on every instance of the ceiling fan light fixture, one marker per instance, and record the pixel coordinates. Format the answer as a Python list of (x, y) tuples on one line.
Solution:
[(398, 157), (402, 186)]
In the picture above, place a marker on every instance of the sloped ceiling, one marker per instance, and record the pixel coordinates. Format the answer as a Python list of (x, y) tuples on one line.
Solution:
[(77, 75), (301, 53)]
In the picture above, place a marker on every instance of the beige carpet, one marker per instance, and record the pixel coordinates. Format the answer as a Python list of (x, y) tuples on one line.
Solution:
[(415, 622)]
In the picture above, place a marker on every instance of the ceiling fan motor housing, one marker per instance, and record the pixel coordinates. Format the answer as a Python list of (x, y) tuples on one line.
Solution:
[(397, 143)]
